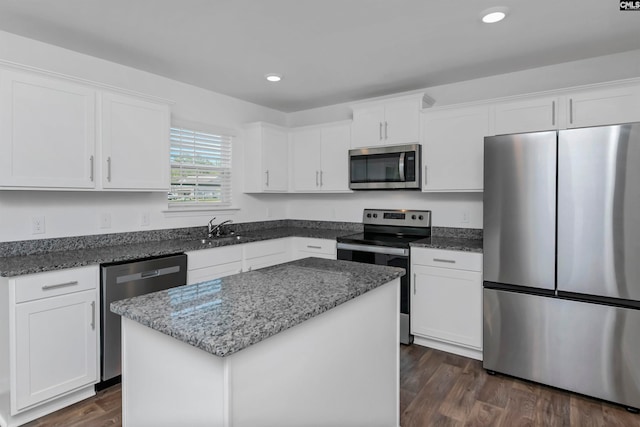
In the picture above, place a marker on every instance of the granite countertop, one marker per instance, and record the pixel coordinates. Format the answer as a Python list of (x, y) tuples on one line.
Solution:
[(57, 260), (450, 243), (226, 315)]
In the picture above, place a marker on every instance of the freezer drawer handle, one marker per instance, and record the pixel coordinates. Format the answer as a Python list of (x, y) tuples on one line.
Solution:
[(59, 285), (450, 261), (314, 247)]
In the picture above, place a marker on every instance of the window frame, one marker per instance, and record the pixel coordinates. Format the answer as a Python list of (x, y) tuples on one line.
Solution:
[(183, 126)]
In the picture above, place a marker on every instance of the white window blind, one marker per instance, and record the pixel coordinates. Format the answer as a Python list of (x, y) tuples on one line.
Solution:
[(200, 168)]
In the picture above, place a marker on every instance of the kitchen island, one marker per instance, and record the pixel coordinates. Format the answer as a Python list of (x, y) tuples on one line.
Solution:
[(310, 342)]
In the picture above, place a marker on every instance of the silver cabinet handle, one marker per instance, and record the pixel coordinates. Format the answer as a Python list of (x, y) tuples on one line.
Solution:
[(386, 125), (109, 168), (91, 165), (414, 284), (317, 184), (321, 179), (425, 175), (267, 183), (93, 315), (450, 261), (59, 285), (553, 113), (314, 247), (571, 110), (380, 131)]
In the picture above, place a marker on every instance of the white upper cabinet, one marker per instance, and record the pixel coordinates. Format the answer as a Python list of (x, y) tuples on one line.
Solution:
[(453, 148), (393, 121), (266, 158), (135, 143), (48, 128), (320, 158), (595, 106), (527, 115), (306, 147), (603, 106), (47, 132)]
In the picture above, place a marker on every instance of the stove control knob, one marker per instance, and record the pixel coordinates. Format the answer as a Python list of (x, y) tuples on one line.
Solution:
[(420, 217), (375, 215), (368, 215), (413, 217)]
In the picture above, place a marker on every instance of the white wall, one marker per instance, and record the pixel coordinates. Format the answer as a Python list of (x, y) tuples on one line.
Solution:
[(77, 213), (448, 209), (575, 73)]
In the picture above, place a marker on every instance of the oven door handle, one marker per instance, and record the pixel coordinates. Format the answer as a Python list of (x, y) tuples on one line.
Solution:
[(374, 249)]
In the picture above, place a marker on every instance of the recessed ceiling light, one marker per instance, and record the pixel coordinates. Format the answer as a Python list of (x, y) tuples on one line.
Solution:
[(493, 15), (273, 77)]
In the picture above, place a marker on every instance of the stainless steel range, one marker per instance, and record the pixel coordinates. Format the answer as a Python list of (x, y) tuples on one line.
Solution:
[(385, 241)]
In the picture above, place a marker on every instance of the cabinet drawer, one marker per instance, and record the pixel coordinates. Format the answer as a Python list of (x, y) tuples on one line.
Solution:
[(314, 245), (213, 256), (213, 272), (53, 283), (264, 248), (458, 260)]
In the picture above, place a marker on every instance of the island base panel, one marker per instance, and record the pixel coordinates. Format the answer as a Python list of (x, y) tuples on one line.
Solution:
[(339, 368)]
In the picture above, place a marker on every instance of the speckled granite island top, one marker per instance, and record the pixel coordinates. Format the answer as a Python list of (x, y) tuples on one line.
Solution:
[(224, 316)]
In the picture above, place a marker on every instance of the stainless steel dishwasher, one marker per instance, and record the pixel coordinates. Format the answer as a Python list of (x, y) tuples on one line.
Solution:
[(125, 280)]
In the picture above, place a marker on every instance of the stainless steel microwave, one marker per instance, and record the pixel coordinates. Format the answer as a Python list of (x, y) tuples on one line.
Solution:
[(385, 168)]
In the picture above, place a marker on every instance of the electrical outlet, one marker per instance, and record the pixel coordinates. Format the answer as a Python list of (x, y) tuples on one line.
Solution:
[(37, 225), (465, 217), (144, 219), (105, 220)]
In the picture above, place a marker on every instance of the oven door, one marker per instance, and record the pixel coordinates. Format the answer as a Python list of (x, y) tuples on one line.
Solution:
[(383, 255)]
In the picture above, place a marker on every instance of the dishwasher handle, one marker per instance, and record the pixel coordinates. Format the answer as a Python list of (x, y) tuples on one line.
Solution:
[(125, 278)]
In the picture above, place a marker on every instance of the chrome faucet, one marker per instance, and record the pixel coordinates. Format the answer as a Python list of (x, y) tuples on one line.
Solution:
[(216, 230), (210, 227)]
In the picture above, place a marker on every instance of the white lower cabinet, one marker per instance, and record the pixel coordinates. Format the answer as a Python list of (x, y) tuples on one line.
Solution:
[(53, 341), (209, 264), (446, 300), (55, 347), (266, 253), (304, 247)]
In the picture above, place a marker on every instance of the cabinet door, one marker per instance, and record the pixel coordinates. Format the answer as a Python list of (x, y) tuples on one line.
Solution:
[(305, 146), (47, 132), (604, 107), (401, 122), (55, 347), (528, 115), (274, 160), (447, 305), (368, 127), (453, 149), (336, 140), (135, 144)]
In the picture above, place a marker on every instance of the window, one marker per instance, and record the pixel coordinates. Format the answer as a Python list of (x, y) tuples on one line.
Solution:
[(200, 168)]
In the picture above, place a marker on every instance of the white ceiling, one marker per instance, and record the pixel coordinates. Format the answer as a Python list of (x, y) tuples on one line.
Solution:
[(330, 51)]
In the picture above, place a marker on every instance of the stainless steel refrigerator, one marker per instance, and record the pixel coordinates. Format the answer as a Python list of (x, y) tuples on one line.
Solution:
[(562, 259)]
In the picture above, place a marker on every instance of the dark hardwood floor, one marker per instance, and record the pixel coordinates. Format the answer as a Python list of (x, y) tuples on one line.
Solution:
[(436, 389)]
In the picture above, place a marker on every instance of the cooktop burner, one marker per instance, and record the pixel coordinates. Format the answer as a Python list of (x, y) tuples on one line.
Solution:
[(377, 239), (392, 228)]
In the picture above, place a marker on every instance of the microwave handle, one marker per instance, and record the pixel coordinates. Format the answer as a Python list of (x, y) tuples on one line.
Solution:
[(401, 166)]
